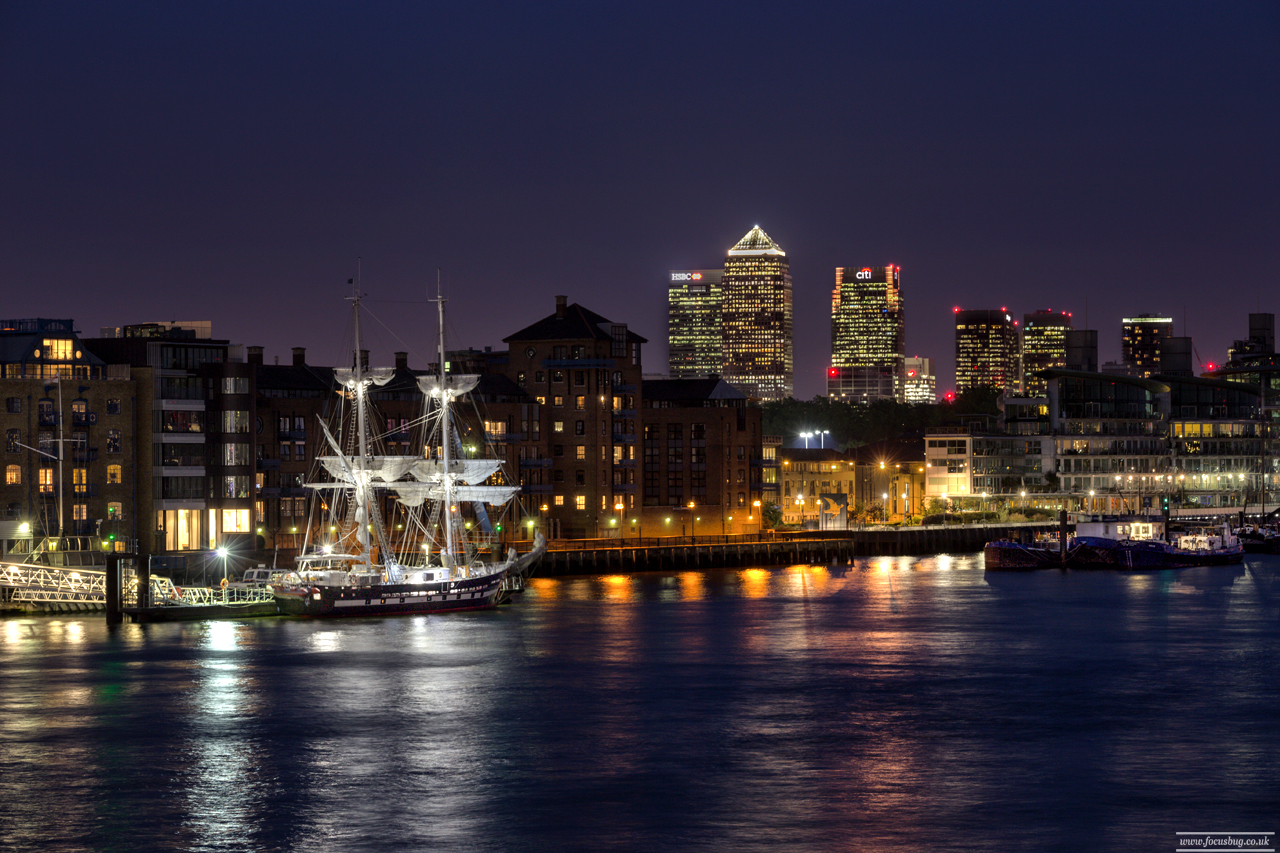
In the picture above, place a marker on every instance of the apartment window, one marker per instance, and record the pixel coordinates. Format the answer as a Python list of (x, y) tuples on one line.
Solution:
[(235, 421), (559, 500), (115, 510), (520, 377), (80, 479), (580, 502), (13, 475), (113, 473), (580, 402), (557, 450), (580, 428), (579, 478), (579, 378), (557, 376), (11, 441), (113, 406), (557, 426), (80, 512), (284, 450), (46, 480), (582, 453), (557, 400), (540, 376), (542, 401), (13, 405)]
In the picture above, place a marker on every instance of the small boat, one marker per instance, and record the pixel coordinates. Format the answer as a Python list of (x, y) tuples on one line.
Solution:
[(1144, 542), (1011, 554), (171, 603), (1259, 539), (438, 561)]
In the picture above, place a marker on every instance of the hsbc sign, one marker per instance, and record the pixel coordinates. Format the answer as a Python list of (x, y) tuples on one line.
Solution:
[(686, 276)]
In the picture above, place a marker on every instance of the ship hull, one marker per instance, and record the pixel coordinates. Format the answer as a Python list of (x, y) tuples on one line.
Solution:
[(390, 599), (1013, 556)]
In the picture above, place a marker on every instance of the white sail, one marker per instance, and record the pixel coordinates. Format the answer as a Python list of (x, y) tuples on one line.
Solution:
[(457, 384), (374, 376), (385, 468), (463, 470), (415, 494)]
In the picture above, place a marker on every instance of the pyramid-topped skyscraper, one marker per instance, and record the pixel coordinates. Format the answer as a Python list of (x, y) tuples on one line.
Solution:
[(756, 318)]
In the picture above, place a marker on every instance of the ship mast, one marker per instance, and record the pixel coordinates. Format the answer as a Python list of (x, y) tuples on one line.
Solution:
[(361, 483), (447, 553)]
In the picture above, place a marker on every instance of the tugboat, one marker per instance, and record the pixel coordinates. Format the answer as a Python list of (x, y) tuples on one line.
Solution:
[(442, 566)]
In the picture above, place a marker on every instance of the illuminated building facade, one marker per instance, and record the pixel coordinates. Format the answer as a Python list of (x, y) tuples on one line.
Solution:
[(987, 350), (868, 335), (1044, 345), (693, 322), (756, 318), (1140, 343), (919, 382)]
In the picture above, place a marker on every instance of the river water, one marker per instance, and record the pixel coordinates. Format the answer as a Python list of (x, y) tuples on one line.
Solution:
[(902, 704)]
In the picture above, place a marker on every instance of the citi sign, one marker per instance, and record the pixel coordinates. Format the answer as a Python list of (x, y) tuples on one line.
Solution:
[(686, 276), (864, 274)]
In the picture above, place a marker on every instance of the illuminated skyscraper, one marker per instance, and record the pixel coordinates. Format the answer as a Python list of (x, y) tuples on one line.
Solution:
[(868, 335), (1140, 342), (987, 351), (756, 318), (693, 322), (1044, 345)]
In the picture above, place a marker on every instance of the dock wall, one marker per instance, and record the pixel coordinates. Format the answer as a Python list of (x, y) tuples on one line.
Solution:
[(811, 547)]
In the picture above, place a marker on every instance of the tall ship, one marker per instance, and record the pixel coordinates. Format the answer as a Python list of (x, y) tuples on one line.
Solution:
[(444, 555)]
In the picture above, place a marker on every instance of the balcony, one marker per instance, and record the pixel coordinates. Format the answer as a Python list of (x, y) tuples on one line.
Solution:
[(625, 463), (268, 464), (625, 413), (536, 463), (764, 487), (579, 362), (765, 463), (535, 490), (47, 419), (84, 456), (84, 418), (85, 490), (624, 438), (624, 389), (293, 435), (624, 488)]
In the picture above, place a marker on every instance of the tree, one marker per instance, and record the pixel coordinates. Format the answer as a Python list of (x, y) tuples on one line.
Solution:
[(770, 515)]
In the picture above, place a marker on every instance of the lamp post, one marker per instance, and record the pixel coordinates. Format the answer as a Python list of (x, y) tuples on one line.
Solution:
[(822, 436), (884, 508), (222, 552), (806, 436), (618, 508), (693, 529)]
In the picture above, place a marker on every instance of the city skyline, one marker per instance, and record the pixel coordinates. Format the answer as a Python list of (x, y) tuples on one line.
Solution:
[(211, 162)]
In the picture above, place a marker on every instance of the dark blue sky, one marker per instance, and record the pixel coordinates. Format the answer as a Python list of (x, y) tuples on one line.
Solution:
[(230, 161)]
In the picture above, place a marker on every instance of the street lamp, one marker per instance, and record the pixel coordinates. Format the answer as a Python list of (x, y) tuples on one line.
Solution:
[(822, 436), (806, 436), (222, 552), (618, 507), (884, 507)]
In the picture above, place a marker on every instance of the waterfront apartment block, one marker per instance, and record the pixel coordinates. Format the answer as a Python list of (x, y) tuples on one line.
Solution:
[(693, 322), (1108, 443), (69, 422), (756, 318), (987, 350), (868, 336)]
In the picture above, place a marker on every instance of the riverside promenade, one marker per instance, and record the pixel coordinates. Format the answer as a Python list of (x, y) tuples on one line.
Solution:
[(815, 547)]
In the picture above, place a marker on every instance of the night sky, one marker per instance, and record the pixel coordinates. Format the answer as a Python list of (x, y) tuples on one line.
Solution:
[(231, 161)]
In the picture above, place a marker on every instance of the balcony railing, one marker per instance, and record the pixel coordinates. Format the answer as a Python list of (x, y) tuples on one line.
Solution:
[(624, 438), (535, 490), (84, 418), (85, 456), (293, 434), (47, 419), (536, 463), (625, 389), (268, 464)]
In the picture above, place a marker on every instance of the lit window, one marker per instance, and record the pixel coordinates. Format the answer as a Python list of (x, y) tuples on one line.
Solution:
[(580, 502), (13, 475), (559, 500), (557, 426), (113, 473)]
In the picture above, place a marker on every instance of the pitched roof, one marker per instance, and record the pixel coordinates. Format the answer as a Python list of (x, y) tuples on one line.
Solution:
[(578, 323), (756, 242), (690, 390)]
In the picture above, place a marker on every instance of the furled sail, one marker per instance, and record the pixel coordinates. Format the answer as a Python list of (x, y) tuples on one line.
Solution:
[(456, 385), (464, 470), (384, 468), (375, 376), (415, 494)]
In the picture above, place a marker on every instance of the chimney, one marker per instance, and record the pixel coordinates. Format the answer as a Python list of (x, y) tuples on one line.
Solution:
[(255, 355), (402, 361), (560, 303), (299, 356)]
